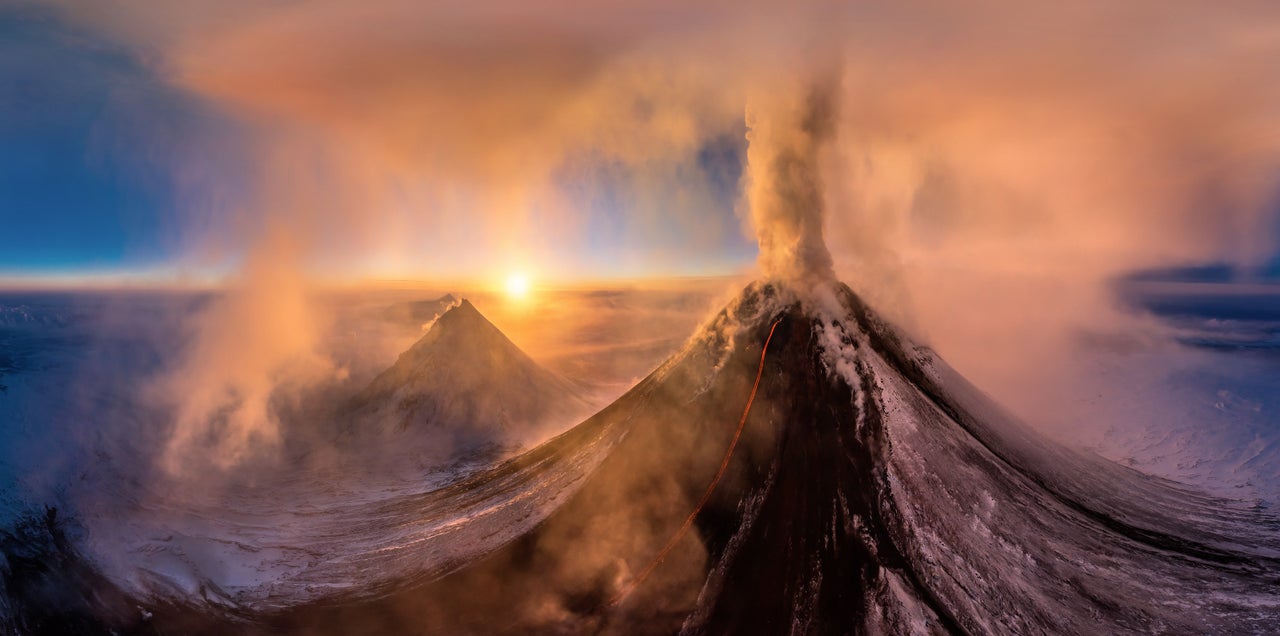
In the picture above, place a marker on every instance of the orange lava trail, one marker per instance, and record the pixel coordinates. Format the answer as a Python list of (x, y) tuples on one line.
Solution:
[(706, 496)]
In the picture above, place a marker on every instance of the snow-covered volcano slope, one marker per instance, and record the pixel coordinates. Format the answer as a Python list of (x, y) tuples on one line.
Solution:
[(464, 378), (302, 528), (873, 491)]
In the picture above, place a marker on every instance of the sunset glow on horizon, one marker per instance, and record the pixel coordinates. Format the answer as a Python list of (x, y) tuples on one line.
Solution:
[(615, 147)]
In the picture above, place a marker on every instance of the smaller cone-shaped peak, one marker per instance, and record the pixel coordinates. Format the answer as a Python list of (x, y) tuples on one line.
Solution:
[(465, 374)]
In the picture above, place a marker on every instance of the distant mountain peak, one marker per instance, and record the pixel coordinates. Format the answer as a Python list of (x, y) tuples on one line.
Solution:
[(463, 310), (466, 377), (463, 330)]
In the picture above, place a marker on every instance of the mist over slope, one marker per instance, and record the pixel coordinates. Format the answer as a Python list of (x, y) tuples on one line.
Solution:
[(278, 530)]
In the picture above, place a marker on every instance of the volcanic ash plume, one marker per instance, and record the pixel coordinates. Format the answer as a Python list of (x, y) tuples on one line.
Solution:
[(784, 190)]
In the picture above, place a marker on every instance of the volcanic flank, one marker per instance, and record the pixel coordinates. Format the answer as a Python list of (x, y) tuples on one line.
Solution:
[(467, 380), (873, 491)]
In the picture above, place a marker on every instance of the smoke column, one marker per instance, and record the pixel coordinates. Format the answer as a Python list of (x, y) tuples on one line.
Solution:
[(784, 191)]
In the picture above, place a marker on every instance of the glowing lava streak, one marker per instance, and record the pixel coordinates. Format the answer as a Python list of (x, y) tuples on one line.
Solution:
[(706, 496)]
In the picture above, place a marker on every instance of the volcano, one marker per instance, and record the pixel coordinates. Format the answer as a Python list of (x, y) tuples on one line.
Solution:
[(873, 491), (869, 489), (466, 379)]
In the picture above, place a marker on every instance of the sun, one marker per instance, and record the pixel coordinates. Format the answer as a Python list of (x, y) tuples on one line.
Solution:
[(517, 286)]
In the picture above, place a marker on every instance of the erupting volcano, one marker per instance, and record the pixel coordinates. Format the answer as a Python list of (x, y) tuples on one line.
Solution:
[(872, 490), (233, 399)]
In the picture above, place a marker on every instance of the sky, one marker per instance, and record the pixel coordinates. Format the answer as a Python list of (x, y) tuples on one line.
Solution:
[(113, 171), (400, 140), (65, 203)]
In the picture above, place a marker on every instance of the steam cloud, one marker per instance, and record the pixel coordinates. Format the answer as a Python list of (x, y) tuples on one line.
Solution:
[(784, 190)]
